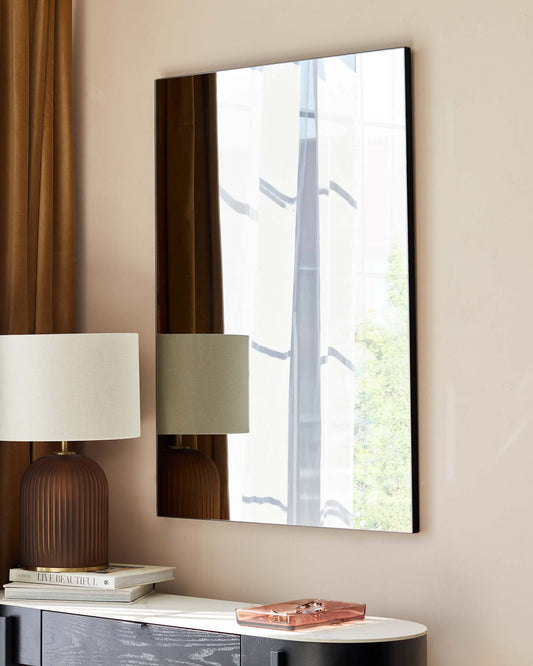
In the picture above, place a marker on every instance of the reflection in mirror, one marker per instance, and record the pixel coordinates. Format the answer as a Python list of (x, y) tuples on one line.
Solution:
[(285, 214)]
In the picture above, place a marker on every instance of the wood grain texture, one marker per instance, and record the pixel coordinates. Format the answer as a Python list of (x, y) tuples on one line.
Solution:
[(264, 651), (75, 640)]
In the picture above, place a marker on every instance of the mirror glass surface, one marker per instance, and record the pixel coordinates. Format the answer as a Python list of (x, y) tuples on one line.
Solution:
[(314, 215)]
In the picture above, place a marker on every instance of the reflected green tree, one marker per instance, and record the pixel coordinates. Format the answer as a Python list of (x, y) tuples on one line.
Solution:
[(382, 452)]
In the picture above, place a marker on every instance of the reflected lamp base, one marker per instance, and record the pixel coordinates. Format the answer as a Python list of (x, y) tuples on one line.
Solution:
[(189, 485)]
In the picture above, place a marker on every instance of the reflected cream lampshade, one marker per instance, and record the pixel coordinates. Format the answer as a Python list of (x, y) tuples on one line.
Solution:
[(202, 389), (67, 387)]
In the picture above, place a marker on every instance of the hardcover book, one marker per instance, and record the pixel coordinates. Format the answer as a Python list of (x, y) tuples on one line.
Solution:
[(112, 578), (40, 591), (300, 614)]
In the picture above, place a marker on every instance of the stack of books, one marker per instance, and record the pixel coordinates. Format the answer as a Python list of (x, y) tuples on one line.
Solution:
[(118, 583)]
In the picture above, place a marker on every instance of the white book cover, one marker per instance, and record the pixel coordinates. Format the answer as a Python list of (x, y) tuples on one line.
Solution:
[(112, 578), (39, 591)]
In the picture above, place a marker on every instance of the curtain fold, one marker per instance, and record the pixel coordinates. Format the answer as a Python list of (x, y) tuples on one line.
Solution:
[(189, 257), (282, 209), (37, 230)]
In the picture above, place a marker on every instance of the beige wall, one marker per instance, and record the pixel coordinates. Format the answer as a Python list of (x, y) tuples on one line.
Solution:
[(468, 575)]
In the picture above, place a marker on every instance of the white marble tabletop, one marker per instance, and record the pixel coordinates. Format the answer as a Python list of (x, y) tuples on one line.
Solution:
[(216, 615)]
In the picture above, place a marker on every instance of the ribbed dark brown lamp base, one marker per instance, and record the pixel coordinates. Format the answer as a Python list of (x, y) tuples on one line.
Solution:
[(189, 485), (64, 514)]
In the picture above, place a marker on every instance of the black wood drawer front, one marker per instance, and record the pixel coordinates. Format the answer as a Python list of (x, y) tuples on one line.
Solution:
[(77, 640), (20, 636), (5, 641), (268, 652)]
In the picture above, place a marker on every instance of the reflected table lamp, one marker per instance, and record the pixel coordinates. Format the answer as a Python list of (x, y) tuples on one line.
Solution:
[(202, 389), (60, 388)]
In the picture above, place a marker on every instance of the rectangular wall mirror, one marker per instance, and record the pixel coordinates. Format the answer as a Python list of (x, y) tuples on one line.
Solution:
[(285, 214)]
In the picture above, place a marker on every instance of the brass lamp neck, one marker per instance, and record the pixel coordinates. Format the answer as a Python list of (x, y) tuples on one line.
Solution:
[(64, 450), (177, 443)]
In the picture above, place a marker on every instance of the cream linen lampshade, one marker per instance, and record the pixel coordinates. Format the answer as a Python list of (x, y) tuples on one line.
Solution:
[(202, 384), (74, 387), (67, 387), (202, 389)]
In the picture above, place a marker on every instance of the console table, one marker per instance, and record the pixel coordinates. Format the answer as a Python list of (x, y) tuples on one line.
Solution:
[(169, 629)]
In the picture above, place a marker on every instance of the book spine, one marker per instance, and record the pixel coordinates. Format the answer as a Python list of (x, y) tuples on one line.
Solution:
[(74, 579)]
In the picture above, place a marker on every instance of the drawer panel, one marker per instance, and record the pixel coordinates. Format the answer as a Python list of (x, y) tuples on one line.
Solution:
[(268, 652), (20, 636), (77, 640), (5, 641)]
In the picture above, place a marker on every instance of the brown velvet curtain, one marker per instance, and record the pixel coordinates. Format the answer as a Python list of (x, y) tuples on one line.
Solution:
[(37, 237), (189, 257)]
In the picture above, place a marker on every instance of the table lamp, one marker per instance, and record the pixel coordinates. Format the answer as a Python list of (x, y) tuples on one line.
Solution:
[(202, 389), (67, 387)]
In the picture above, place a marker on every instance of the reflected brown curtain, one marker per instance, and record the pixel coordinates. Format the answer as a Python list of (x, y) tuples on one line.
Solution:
[(37, 251), (189, 257)]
